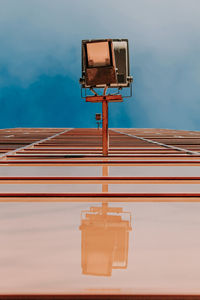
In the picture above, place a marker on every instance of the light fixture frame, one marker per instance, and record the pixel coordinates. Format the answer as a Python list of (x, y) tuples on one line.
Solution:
[(85, 67)]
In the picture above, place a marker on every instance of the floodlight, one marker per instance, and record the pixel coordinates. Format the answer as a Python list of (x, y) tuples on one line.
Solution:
[(105, 63)]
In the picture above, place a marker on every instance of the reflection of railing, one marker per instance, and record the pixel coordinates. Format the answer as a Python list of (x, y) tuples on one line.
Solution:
[(105, 239)]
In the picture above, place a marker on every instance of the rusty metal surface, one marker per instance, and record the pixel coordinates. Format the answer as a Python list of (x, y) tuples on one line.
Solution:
[(104, 75), (109, 98)]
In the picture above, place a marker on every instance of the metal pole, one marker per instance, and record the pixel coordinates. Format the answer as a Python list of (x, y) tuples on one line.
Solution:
[(105, 127)]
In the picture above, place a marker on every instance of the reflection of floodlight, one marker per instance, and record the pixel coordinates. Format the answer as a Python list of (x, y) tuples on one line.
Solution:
[(105, 239), (105, 64)]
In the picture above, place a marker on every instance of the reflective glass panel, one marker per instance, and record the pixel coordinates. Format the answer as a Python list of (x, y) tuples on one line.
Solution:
[(114, 171), (50, 171), (51, 248)]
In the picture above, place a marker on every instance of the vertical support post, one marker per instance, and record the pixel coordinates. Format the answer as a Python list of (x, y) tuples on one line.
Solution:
[(105, 127)]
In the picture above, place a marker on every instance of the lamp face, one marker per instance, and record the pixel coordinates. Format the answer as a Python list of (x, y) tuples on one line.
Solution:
[(98, 54), (98, 63)]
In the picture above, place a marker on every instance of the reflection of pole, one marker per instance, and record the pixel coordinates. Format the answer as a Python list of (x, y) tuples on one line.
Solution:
[(105, 127), (105, 174), (104, 208)]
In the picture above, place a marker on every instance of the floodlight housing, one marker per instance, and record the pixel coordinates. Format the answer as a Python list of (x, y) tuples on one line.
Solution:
[(105, 63)]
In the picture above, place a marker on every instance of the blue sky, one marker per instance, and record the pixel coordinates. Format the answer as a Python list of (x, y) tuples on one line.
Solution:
[(40, 62)]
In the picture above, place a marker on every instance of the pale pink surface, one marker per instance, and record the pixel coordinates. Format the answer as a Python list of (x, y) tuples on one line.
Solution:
[(40, 249)]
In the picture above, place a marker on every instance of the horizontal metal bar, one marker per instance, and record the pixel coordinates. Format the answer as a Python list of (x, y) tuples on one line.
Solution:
[(96, 178), (80, 199), (110, 295), (99, 163), (104, 195), (79, 156)]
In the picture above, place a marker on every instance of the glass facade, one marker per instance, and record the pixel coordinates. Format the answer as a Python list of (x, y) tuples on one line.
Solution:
[(75, 222)]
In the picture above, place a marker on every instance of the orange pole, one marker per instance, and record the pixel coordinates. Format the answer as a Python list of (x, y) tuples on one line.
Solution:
[(105, 127)]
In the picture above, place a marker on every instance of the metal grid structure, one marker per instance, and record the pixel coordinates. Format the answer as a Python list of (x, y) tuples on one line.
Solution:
[(143, 164), (66, 165)]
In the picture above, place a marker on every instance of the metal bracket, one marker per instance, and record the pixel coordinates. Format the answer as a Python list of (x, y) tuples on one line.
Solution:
[(85, 94)]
